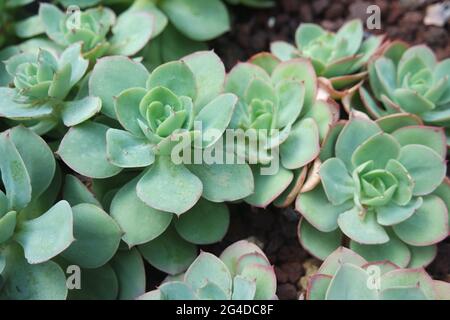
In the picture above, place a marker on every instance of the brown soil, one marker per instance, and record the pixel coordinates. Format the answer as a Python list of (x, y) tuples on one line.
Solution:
[(275, 229)]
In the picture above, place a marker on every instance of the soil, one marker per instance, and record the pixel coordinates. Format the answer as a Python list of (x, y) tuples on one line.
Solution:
[(253, 31)]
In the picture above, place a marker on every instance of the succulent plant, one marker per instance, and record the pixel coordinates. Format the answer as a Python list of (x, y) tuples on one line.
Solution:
[(198, 20), (37, 236), (29, 46), (338, 57), (406, 79), (42, 83), (277, 103), (382, 186), (242, 272), (155, 111), (32, 229), (98, 29), (345, 275)]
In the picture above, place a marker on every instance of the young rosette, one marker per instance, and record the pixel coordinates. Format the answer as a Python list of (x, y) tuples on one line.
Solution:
[(408, 80), (345, 275), (196, 20), (382, 186), (282, 121), (98, 29), (338, 58), (242, 272), (42, 82)]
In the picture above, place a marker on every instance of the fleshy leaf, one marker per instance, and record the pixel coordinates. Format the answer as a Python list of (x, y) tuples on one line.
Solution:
[(205, 223), (431, 137), (299, 70), (233, 252), (176, 291), (14, 174), (127, 109), (209, 74), (224, 182), (48, 235), (139, 222), (175, 76), (243, 289), (355, 132), (392, 214), (128, 151), (424, 165), (319, 244), (302, 146), (75, 192), (362, 227), (208, 268), (169, 252), (379, 149), (266, 282), (198, 20), (395, 250), (37, 157), (421, 257), (306, 33), (97, 237), (96, 284), (44, 281), (268, 187), (350, 283), (342, 255), (169, 187), (317, 287), (428, 225), (76, 112), (111, 75), (337, 183), (130, 272), (7, 226), (319, 211), (131, 33), (77, 151), (215, 117)]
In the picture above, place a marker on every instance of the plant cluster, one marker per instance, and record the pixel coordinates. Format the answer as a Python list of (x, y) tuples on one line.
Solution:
[(345, 275), (122, 140), (242, 272)]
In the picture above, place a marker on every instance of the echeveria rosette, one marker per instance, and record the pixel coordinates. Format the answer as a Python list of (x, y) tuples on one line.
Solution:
[(407, 79), (338, 58), (153, 110), (99, 30), (42, 83), (345, 275), (242, 272), (30, 46), (279, 98), (384, 191), (198, 20), (33, 231)]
